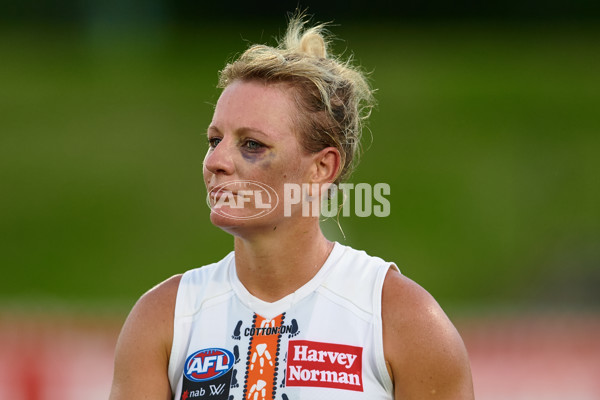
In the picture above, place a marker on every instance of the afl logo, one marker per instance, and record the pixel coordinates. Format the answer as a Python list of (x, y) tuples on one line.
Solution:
[(242, 199), (208, 364)]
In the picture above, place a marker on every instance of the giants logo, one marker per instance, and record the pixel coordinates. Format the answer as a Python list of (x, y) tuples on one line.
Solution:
[(208, 364), (319, 364)]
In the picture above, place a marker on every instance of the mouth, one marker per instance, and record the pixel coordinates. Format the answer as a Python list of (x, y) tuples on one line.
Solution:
[(216, 193)]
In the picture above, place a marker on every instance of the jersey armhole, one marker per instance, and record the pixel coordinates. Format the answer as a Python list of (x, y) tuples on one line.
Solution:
[(175, 357), (382, 370)]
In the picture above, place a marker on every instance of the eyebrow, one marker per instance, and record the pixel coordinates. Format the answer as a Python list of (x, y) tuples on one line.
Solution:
[(243, 129)]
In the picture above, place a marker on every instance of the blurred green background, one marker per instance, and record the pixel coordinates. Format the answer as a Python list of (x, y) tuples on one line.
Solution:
[(487, 130)]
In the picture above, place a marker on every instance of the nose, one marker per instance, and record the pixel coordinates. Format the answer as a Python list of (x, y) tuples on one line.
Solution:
[(218, 160)]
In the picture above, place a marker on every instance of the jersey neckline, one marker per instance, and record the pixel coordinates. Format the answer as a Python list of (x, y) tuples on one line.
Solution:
[(270, 310)]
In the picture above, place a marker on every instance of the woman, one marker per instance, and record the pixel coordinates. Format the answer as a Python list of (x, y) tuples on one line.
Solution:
[(288, 314)]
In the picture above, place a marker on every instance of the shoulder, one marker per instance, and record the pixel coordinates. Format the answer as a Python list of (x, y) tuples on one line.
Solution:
[(145, 344), (151, 318), (157, 305), (425, 354)]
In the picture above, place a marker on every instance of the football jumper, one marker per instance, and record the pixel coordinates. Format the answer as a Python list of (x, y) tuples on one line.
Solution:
[(322, 342)]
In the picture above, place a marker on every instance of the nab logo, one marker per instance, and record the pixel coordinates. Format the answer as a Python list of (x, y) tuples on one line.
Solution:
[(208, 364)]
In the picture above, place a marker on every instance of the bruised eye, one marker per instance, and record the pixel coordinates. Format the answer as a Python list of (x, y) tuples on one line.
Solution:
[(213, 142), (253, 145)]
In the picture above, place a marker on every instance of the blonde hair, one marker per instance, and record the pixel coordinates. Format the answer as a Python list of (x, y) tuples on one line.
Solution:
[(334, 97)]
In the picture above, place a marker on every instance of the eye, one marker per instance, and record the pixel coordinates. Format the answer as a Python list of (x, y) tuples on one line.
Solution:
[(213, 142), (253, 145)]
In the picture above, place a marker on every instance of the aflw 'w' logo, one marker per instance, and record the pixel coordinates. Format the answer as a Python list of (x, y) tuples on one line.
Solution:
[(217, 389)]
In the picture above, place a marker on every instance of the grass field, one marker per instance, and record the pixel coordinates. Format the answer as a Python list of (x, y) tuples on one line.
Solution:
[(488, 135)]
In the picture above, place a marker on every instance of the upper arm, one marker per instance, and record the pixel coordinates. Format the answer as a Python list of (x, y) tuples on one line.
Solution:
[(144, 345), (425, 354)]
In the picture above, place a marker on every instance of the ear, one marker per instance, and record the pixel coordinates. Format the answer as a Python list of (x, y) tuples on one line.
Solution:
[(326, 165)]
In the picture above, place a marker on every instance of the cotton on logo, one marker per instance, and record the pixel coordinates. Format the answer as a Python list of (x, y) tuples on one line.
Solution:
[(208, 364)]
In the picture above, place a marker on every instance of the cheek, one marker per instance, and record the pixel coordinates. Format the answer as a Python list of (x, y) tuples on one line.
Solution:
[(206, 174), (293, 171)]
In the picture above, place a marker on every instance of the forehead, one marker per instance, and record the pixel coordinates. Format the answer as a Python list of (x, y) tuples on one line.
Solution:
[(265, 107)]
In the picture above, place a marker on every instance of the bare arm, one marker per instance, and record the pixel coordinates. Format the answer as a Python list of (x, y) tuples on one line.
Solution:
[(425, 354), (144, 346)]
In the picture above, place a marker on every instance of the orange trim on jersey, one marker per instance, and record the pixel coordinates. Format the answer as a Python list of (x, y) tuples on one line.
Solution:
[(262, 367)]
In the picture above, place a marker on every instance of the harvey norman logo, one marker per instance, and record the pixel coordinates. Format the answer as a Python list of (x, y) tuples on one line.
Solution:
[(328, 365)]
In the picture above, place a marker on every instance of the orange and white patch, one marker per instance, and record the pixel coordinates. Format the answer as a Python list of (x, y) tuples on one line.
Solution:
[(262, 368)]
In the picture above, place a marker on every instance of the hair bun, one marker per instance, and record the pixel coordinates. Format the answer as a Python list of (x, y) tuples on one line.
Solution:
[(313, 44), (333, 97)]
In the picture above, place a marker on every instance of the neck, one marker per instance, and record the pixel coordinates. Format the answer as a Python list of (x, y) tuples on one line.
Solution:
[(275, 265)]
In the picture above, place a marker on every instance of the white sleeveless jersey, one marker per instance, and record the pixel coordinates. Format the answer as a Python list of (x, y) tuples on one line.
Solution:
[(322, 342)]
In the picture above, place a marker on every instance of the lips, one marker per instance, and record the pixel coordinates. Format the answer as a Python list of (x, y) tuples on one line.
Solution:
[(222, 187), (231, 188), (228, 189), (217, 194)]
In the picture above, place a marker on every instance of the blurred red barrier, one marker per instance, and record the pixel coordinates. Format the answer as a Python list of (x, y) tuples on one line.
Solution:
[(55, 358), (534, 357), (516, 358)]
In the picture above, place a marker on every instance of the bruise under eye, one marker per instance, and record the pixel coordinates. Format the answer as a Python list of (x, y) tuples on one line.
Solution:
[(254, 151)]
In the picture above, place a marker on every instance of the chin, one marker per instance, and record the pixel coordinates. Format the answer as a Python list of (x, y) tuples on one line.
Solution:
[(235, 223), (240, 223), (224, 220)]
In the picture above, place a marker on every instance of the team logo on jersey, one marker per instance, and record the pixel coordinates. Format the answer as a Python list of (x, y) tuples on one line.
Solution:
[(318, 364), (208, 364)]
